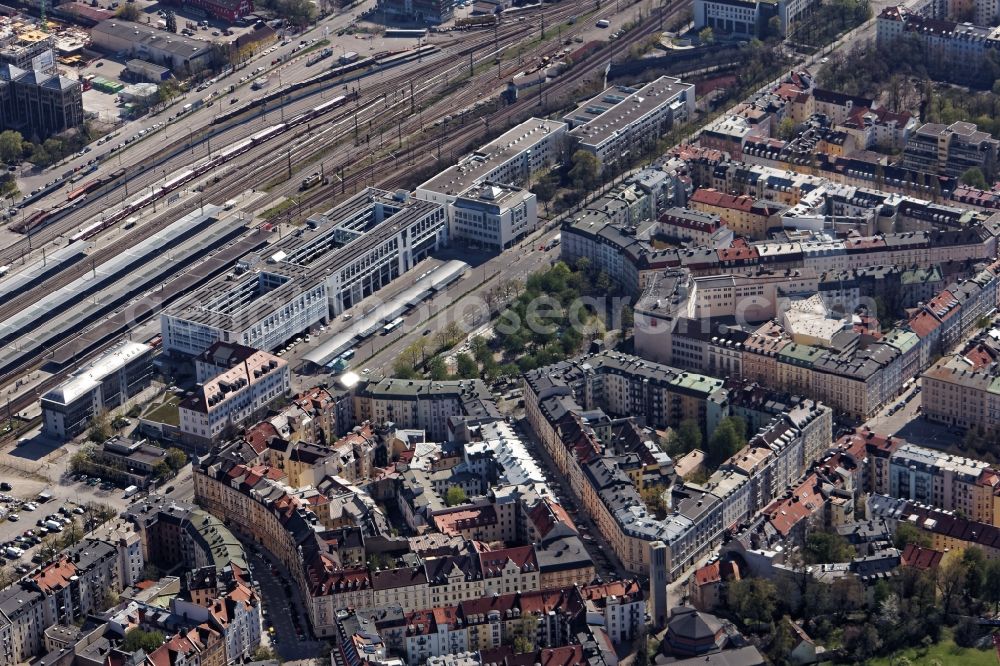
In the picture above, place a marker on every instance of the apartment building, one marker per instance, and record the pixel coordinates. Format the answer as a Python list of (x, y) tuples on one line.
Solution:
[(79, 581), (746, 216), (684, 225), (104, 384), (619, 606), (948, 42), (926, 476), (233, 397), (423, 404), (563, 405)]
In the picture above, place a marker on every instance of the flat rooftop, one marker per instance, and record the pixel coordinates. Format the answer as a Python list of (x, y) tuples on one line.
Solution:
[(479, 163), (302, 260), (603, 116)]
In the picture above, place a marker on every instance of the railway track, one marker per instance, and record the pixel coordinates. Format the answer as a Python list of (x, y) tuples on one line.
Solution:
[(374, 105), (424, 151), (396, 118)]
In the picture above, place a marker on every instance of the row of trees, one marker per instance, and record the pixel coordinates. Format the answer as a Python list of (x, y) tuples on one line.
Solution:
[(14, 148), (831, 19)]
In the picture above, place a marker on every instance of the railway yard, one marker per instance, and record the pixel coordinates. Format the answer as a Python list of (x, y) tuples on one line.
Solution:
[(154, 216)]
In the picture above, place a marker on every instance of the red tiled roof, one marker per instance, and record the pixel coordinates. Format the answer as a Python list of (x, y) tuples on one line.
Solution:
[(921, 558), (56, 576), (806, 499), (710, 197), (923, 323)]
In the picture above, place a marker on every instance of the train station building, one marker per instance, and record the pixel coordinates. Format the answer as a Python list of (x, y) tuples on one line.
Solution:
[(310, 276)]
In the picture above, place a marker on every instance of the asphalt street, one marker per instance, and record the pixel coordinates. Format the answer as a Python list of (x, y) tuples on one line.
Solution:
[(283, 610)]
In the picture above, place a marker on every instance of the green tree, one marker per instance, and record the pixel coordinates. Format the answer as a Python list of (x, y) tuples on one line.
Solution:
[(168, 90), (480, 348), (11, 146), (907, 534), (774, 27), (140, 639), (466, 366), (129, 11), (707, 36), (823, 547), (786, 129), (585, 170), (974, 177), (782, 642), (100, 427), (449, 336), (176, 458), (862, 643), (437, 369), (299, 13), (171, 22), (753, 599), (455, 496), (48, 547), (727, 438), (162, 470), (975, 572), (991, 584), (685, 438), (265, 653), (523, 645), (545, 189)]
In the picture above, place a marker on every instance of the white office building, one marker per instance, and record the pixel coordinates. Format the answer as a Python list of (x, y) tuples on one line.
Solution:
[(309, 277), (493, 216), (623, 121), (107, 382), (511, 159)]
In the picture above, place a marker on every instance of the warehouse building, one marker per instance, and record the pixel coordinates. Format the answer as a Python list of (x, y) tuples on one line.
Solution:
[(344, 256), (108, 382), (183, 55)]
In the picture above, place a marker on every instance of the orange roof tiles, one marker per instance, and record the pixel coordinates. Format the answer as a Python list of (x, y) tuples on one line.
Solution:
[(806, 499), (56, 576)]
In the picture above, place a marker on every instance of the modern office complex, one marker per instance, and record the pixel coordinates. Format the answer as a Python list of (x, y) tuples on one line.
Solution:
[(106, 383), (622, 122), (510, 159), (345, 255)]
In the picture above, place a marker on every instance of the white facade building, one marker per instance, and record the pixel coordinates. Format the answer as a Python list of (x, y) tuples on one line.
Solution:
[(624, 121), (345, 255), (493, 216), (510, 159), (106, 383)]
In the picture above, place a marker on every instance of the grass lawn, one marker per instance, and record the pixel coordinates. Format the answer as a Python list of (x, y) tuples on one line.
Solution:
[(947, 653), (166, 412)]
